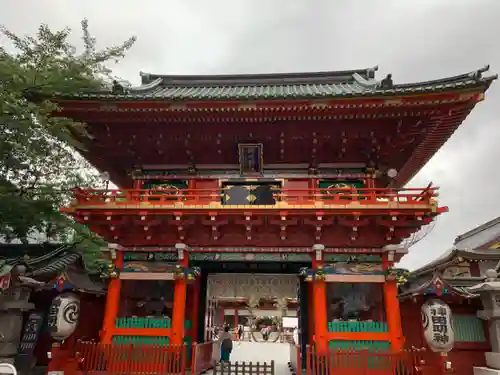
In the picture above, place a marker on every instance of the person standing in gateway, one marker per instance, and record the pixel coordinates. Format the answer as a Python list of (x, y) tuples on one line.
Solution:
[(226, 345)]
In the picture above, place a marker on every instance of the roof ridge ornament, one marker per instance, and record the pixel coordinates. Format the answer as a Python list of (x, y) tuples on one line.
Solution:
[(370, 72), (478, 74), (362, 81), (387, 82)]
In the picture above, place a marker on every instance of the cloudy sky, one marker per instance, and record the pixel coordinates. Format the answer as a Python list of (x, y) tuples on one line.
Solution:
[(412, 39)]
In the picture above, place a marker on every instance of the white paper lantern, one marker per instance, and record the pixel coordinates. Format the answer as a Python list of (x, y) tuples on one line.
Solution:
[(437, 325), (63, 315)]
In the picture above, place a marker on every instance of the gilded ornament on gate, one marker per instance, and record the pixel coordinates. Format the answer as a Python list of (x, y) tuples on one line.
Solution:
[(109, 271), (398, 274), (176, 189), (251, 198), (338, 185)]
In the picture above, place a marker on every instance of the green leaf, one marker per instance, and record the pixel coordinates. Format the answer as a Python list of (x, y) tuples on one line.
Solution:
[(39, 154)]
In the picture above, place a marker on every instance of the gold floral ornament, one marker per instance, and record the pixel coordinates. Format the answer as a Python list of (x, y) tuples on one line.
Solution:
[(190, 274), (400, 275), (109, 271), (310, 274)]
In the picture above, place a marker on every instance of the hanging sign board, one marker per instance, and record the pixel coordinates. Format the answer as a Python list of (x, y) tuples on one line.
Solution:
[(437, 325), (31, 332)]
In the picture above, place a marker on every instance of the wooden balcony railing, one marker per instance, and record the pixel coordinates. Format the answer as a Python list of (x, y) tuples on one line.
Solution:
[(186, 197)]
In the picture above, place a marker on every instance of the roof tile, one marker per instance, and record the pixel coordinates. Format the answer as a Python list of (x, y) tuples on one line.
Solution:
[(283, 86)]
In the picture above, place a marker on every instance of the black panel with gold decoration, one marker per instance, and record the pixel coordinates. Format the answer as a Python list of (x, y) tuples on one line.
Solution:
[(246, 193), (168, 187), (339, 184)]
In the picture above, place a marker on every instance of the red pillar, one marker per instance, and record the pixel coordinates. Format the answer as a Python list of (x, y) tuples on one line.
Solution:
[(320, 307), (392, 310), (112, 304), (178, 315)]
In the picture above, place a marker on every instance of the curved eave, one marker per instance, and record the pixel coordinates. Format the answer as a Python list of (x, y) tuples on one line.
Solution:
[(453, 257), (436, 282), (80, 280), (441, 130), (55, 266)]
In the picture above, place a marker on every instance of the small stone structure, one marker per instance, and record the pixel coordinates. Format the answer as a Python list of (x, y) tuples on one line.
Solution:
[(13, 303), (489, 291)]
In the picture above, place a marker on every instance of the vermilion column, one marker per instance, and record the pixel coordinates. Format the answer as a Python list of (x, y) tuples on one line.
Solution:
[(178, 315), (392, 310), (112, 304), (320, 305)]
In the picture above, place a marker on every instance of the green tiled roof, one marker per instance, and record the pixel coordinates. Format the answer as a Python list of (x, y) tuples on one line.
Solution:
[(354, 83)]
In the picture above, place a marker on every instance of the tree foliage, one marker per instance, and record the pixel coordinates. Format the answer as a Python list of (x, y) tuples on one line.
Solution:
[(39, 158)]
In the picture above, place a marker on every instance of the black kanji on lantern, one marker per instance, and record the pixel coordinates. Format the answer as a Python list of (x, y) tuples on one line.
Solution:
[(439, 322)]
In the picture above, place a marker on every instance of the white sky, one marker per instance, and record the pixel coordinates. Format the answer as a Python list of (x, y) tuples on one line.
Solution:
[(412, 39)]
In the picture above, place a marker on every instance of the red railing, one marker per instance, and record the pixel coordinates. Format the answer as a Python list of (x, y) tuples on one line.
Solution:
[(202, 357), (360, 362), (131, 359), (381, 196)]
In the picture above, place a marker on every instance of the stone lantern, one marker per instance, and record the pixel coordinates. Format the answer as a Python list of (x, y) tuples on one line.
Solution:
[(489, 291)]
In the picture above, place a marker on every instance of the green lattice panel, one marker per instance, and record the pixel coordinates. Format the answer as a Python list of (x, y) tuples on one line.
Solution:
[(357, 327), (136, 322), (468, 328), (360, 345), (141, 340), (188, 340)]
